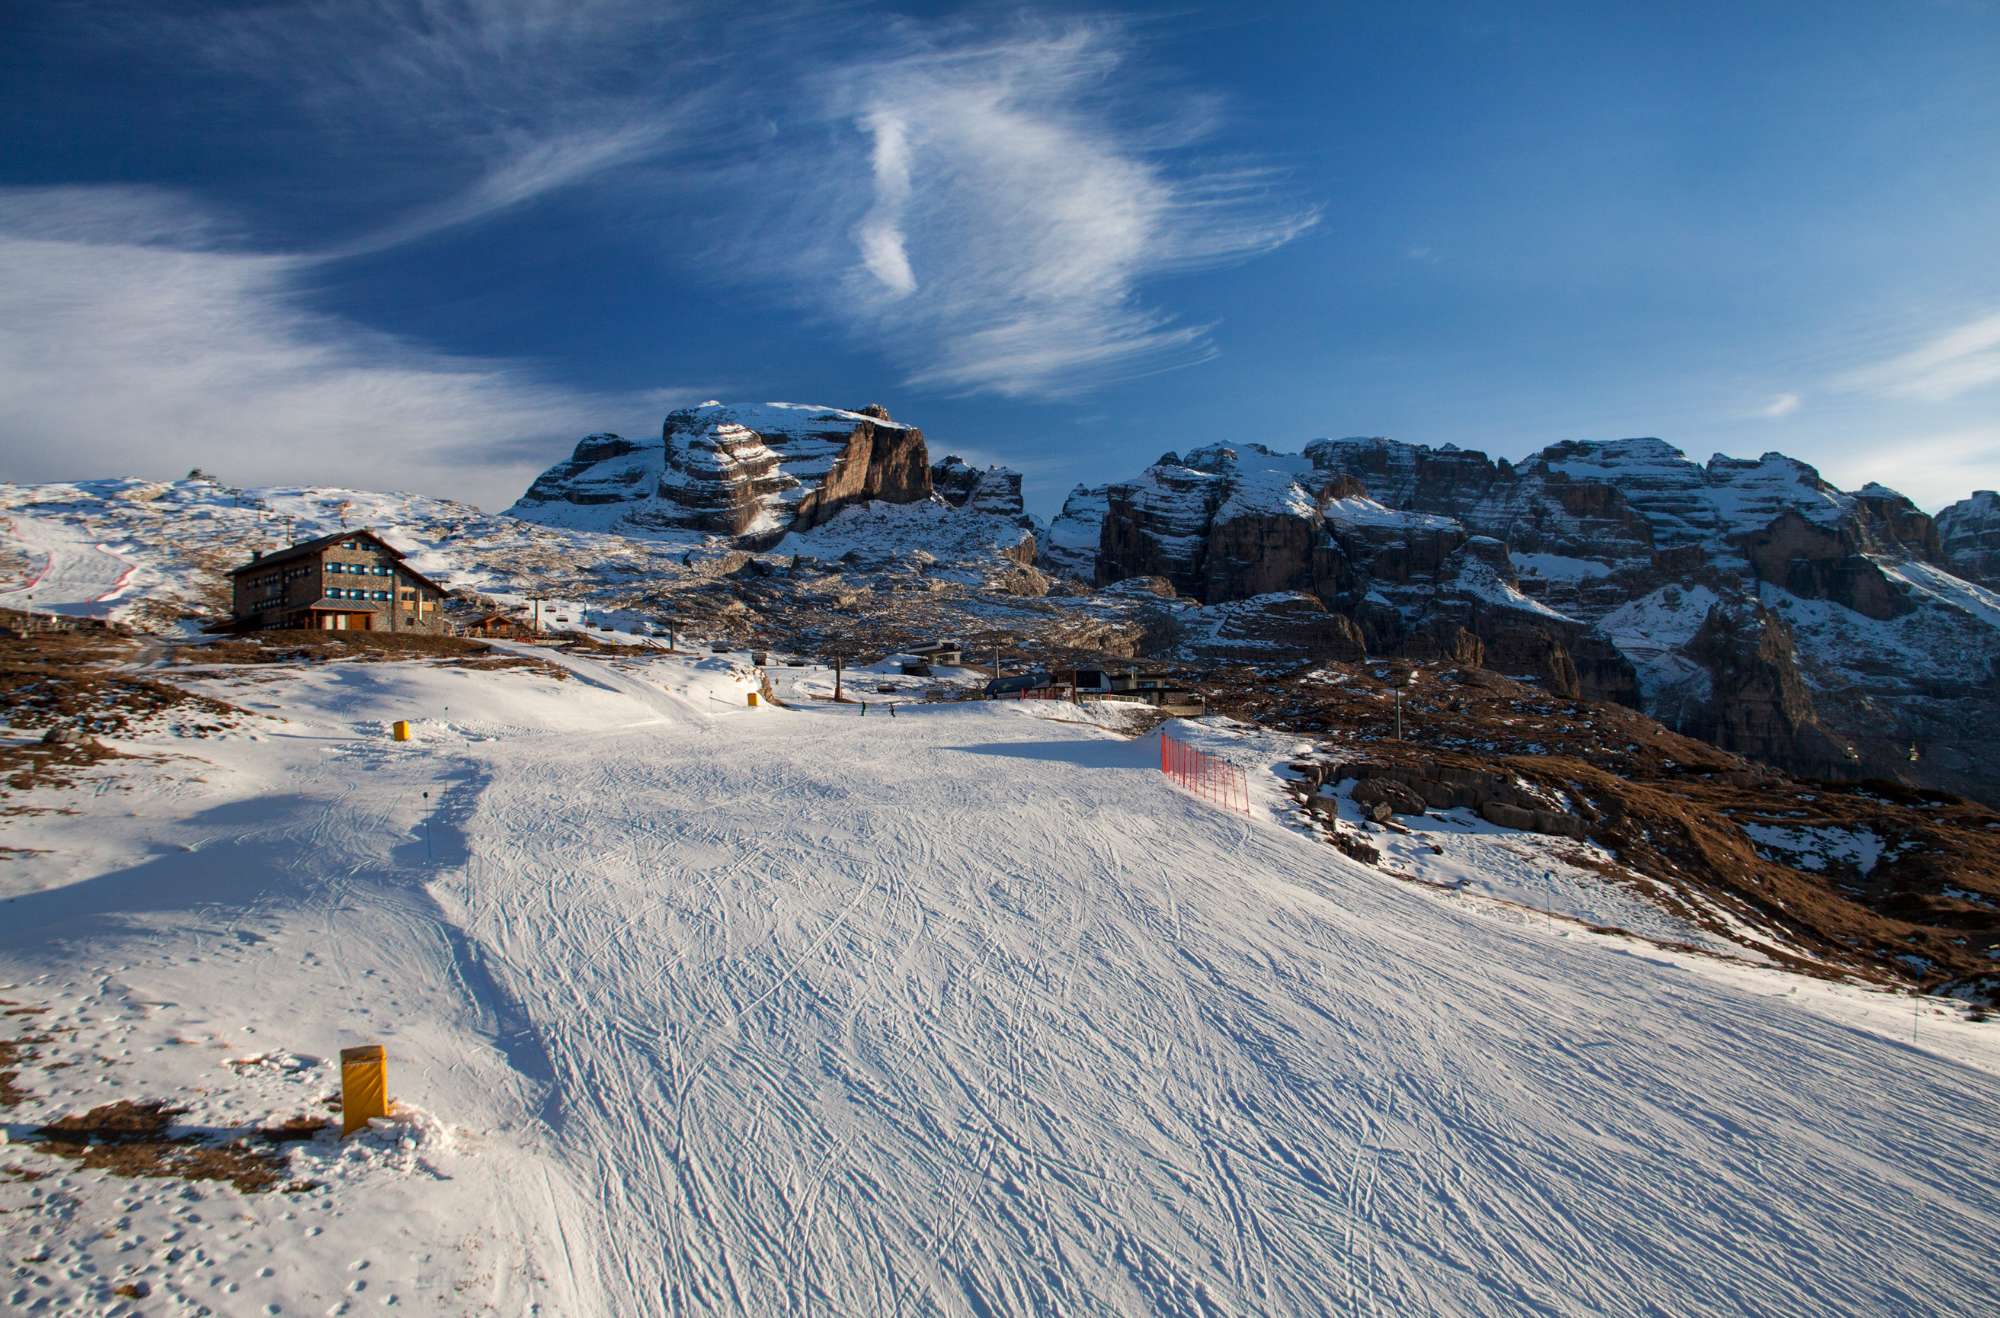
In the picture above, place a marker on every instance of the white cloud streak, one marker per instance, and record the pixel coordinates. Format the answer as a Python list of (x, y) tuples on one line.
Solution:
[(880, 235), (1016, 210), (986, 212), (1780, 405), (1004, 195), (1956, 362), (141, 352), (536, 170), (1932, 469)]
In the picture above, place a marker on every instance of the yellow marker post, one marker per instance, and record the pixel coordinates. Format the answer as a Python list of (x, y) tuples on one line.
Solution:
[(364, 1087), (753, 700), (402, 729)]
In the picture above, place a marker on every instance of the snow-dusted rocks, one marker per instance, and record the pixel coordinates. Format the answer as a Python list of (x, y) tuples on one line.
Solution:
[(995, 491), (1069, 544), (1969, 532), (1157, 525), (1583, 565), (1229, 524), (751, 472)]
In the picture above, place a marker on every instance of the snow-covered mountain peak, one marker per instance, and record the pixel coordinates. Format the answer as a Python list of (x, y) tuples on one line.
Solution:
[(749, 471), (779, 418), (1636, 455)]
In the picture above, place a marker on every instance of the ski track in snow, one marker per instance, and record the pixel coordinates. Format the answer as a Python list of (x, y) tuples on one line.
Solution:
[(956, 1013), (971, 1012)]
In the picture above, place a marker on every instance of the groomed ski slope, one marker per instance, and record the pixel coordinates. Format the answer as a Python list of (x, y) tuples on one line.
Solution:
[(965, 1011), (971, 1012), (68, 572)]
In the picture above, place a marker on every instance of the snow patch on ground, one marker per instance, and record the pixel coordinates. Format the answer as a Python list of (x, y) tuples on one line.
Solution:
[(1558, 567), (881, 530), (1814, 848)]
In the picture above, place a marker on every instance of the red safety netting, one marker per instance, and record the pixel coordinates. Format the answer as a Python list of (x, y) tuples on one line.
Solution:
[(1206, 775)]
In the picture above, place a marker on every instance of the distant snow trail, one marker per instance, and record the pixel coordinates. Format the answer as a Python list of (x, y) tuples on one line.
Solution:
[(995, 1019), (76, 575)]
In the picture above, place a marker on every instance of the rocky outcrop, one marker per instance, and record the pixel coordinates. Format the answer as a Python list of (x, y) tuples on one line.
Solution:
[(1262, 554), (995, 491), (1158, 525), (1070, 545), (1381, 790), (1591, 567), (1815, 561), (1760, 706), (1969, 538), (753, 473), (1266, 626), (604, 469)]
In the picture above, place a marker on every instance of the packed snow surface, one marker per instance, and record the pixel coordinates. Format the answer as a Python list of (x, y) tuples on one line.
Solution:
[(964, 1009)]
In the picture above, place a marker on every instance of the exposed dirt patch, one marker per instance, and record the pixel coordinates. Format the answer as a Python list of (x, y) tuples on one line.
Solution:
[(305, 647), (15, 1054), (294, 1130), (278, 647), (80, 685), (133, 1138)]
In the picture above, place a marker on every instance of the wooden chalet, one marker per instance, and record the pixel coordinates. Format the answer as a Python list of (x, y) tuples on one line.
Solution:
[(498, 622), (352, 581)]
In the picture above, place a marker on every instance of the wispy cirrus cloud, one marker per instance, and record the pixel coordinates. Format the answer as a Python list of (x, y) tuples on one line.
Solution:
[(884, 251), (1015, 208), (466, 109), (983, 206), (133, 340), (1933, 468), (1956, 362), (1780, 405)]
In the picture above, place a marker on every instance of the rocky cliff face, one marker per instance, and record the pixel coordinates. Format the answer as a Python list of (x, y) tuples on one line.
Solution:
[(1969, 534), (995, 491), (1070, 545), (749, 472), (1747, 598)]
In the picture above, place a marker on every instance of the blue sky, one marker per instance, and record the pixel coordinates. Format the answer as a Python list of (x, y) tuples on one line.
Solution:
[(426, 245)]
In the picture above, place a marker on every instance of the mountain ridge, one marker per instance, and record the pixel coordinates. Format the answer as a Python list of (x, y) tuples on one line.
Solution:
[(1821, 609)]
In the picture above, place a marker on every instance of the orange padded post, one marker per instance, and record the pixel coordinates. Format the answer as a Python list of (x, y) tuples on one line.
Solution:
[(402, 729), (364, 1087)]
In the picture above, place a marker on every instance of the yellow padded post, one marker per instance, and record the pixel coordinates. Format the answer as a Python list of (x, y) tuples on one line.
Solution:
[(753, 700), (402, 729), (364, 1087)]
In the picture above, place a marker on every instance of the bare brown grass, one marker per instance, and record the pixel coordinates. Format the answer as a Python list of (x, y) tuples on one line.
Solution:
[(133, 1138), (1673, 810)]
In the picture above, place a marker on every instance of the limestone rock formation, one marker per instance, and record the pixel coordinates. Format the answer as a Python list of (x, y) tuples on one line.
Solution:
[(1071, 542), (995, 491), (1828, 631), (1253, 630), (1969, 534), (750, 472)]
